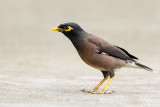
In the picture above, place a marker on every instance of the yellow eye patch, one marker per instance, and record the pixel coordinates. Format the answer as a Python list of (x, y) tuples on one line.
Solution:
[(68, 28)]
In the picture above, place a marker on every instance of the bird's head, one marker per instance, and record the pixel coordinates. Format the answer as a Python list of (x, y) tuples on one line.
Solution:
[(68, 28)]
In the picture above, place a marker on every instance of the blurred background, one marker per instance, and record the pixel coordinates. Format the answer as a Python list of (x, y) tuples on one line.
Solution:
[(29, 50)]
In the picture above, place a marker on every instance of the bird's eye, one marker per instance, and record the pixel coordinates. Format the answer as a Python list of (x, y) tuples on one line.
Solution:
[(66, 27)]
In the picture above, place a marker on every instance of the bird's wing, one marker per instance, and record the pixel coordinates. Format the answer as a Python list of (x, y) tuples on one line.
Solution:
[(131, 56), (111, 50)]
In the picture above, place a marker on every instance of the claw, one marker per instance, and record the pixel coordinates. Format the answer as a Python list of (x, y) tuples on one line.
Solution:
[(98, 91), (101, 92), (84, 90), (89, 91)]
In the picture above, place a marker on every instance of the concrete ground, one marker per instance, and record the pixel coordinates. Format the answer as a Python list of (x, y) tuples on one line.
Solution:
[(40, 68)]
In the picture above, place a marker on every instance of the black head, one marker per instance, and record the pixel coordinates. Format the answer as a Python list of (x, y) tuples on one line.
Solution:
[(73, 26), (73, 31), (68, 28)]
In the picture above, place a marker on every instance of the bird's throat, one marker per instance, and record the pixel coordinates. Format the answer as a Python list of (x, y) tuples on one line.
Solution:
[(78, 39)]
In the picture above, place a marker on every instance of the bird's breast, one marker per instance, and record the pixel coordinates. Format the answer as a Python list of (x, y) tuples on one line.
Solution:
[(89, 55)]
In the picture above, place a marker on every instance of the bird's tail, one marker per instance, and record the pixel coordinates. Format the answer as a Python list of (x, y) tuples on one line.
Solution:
[(144, 67), (135, 64)]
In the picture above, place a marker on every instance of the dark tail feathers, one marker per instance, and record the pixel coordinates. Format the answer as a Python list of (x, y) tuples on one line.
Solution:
[(144, 67)]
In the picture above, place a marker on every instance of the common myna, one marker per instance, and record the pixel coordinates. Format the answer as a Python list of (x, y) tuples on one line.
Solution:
[(98, 53)]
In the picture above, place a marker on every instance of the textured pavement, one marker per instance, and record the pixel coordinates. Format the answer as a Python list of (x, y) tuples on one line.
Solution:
[(40, 68)]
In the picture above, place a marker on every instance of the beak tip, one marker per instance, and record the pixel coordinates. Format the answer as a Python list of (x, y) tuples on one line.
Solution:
[(55, 29)]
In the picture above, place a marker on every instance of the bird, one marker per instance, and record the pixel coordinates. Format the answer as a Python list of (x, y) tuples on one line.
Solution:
[(99, 54)]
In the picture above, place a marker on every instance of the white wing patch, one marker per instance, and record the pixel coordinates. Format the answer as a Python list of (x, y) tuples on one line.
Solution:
[(103, 53)]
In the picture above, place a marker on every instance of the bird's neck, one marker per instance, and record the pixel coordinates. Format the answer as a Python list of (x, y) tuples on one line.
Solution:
[(78, 39)]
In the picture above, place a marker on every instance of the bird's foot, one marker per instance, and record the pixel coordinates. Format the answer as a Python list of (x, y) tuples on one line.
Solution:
[(84, 90), (98, 91), (101, 92)]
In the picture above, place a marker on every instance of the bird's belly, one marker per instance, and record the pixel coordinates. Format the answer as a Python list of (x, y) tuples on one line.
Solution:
[(95, 65), (93, 62), (87, 60), (101, 62)]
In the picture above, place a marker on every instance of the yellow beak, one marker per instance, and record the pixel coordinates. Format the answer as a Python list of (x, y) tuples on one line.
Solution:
[(56, 29), (61, 30)]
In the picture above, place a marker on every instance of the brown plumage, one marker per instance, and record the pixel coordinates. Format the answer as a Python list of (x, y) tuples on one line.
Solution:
[(93, 54), (98, 53)]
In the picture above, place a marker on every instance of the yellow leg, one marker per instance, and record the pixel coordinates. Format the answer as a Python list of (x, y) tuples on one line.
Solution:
[(109, 82), (104, 90), (96, 88)]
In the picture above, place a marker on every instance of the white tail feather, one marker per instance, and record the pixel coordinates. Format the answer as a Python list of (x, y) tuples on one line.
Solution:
[(138, 66)]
